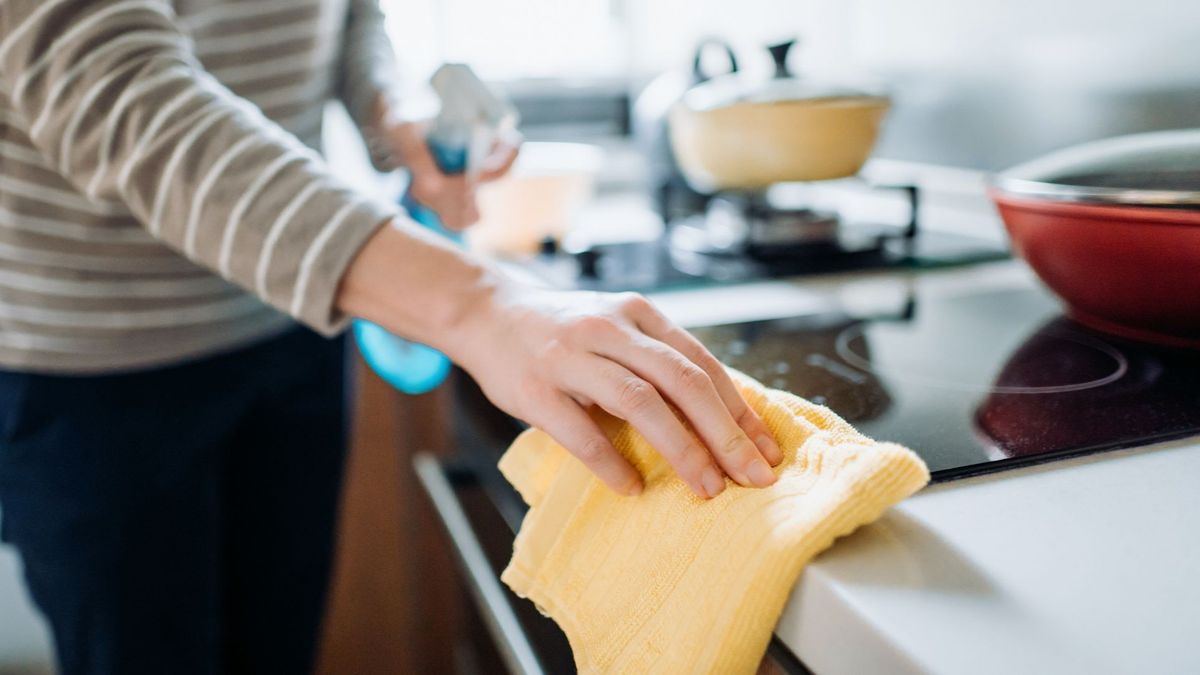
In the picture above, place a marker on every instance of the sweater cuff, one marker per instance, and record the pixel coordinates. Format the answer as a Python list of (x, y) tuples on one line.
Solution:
[(315, 303)]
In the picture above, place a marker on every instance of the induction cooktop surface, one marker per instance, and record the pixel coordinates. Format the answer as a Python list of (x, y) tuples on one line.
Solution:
[(975, 382)]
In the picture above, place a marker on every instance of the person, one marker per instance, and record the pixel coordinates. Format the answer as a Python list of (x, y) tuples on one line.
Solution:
[(173, 258)]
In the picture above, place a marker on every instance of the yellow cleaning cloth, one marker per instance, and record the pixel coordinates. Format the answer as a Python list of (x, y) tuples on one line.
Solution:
[(666, 582)]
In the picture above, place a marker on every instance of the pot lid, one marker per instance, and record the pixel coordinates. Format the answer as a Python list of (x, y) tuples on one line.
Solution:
[(1152, 169), (740, 87), (728, 90)]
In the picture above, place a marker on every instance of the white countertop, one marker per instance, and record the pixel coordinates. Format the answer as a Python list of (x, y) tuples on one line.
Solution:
[(1078, 566)]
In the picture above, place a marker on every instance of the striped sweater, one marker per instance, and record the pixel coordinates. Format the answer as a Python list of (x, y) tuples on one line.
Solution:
[(159, 195)]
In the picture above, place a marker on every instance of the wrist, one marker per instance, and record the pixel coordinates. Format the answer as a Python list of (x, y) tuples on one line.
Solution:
[(417, 286)]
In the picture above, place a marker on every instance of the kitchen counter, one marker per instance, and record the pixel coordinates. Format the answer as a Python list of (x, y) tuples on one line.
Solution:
[(1083, 565)]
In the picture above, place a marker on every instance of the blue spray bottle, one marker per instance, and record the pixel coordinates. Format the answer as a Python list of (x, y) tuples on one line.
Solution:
[(471, 118)]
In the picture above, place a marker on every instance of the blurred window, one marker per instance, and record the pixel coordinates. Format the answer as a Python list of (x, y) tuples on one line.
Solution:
[(512, 39)]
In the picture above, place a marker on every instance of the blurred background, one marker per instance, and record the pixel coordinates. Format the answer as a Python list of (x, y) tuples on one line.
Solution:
[(980, 85), (975, 85)]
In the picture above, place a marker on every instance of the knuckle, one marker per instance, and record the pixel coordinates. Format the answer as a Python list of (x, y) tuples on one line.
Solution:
[(531, 393), (733, 445), (554, 352), (635, 302), (592, 449), (690, 378), (693, 460), (694, 466), (705, 360), (746, 418), (744, 415), (690, 347), (634, 395), (591, 326)]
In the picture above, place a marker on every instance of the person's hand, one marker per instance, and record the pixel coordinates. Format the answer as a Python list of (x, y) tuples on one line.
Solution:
[(545, 356), (452, 197)]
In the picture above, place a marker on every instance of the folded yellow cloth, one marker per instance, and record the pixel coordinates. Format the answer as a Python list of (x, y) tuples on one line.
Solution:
[(666, 582)]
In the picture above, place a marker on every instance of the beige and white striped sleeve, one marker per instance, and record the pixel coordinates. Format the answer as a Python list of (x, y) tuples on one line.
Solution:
[(119, 104), (368, 62)]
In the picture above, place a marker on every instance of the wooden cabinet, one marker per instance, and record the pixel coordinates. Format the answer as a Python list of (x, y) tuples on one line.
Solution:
[(395, 604)]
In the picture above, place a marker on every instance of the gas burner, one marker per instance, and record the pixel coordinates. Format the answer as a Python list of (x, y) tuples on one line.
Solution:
[(748, 224), (789, 231), (751, 225), (743, 235)]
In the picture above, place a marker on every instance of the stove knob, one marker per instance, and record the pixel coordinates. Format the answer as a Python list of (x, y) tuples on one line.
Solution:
[(589, 263)]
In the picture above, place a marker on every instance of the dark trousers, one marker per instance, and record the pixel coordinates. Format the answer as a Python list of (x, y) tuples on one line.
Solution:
[(179, 520)]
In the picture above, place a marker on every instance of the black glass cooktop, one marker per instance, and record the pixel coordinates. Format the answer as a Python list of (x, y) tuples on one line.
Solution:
[(975, 383)]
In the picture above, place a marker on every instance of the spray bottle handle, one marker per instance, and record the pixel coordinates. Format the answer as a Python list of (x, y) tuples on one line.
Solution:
[(451, 160)]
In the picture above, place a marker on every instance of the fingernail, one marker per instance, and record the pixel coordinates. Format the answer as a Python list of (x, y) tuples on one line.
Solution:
[(714, 483), (760, 474), (769, 449)]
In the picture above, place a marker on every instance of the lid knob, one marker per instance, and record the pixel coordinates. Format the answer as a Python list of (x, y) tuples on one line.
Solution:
[(779, 54)]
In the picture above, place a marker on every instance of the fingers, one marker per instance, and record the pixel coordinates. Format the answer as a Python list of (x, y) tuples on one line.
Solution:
[(413, 151), (451, 196), (624, 394), (500, 161), (692, 390), (568, 424), (655, 325)]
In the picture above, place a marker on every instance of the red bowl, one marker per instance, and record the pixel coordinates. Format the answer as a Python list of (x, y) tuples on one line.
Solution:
[(1133, 271)]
